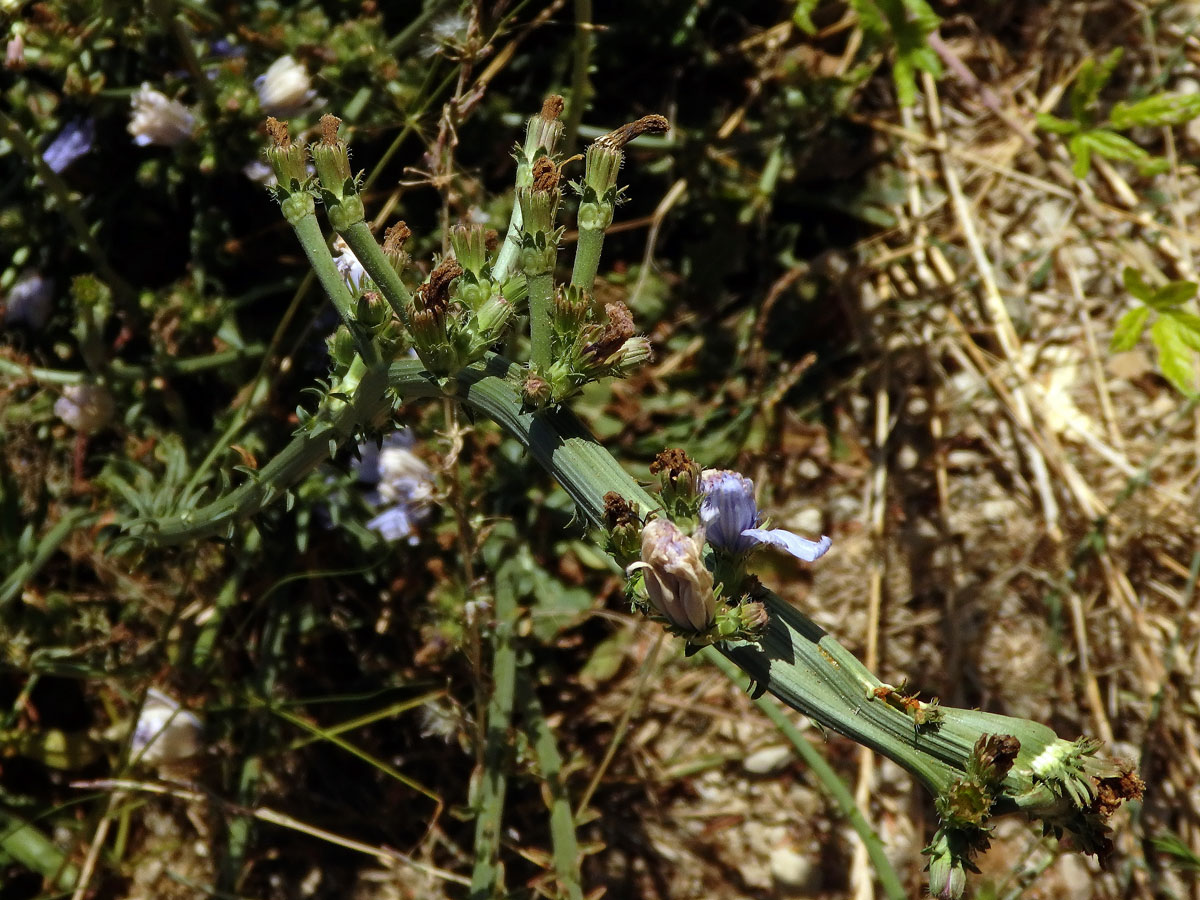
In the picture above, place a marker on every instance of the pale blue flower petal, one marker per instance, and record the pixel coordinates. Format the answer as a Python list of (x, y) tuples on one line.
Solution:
[(801, 548), (728, 509)]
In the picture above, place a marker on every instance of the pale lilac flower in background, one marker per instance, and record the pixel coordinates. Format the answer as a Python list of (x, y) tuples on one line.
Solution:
[(14, 52), (285, 89), (30, 301), (71, 143), (165, 733), (731, 519), (159, 120), (85, 407), (403, 485), (679, 585), (259, 172), (347, 263)]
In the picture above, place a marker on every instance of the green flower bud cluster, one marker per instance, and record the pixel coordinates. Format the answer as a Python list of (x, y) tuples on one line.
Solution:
[(588, 344), (459, 313)]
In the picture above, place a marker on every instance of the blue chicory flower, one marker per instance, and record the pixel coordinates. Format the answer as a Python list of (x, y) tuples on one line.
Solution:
[(71, 143), (403, 486), (730, 517), (30, 301)]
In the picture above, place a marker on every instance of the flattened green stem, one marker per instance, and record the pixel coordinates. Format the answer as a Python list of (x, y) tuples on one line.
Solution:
[(487, 876), (828, 779), (370, 254)]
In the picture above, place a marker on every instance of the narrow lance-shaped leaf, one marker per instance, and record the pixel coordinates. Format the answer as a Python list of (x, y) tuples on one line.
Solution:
[(1162, 109)]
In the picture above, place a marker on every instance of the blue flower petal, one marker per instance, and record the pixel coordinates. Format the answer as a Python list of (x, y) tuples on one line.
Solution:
[(801, 548)]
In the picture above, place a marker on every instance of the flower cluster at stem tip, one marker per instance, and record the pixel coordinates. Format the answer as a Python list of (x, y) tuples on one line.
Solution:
[(684, 575)]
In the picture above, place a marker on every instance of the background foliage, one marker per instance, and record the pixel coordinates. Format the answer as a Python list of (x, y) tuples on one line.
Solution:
[(873, 284)]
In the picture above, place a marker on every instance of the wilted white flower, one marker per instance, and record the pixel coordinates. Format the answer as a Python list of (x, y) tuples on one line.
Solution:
[(159, 120), (29, 301), (285, 89), (347, 263), (165, 733), (679, 585), (85, 407), (731, 519)]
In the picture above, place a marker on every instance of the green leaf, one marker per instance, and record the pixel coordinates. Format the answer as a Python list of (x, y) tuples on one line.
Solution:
[(1092, 78), (1189, 327), (1174, 294), (1175, 357), (1136, 285), (1111, 145), (1161, 109), (1129, 329), (1081, 152), (906, 24), (802, 15), (1055, 125)]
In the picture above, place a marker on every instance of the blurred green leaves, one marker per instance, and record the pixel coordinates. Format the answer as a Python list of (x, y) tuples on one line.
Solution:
[(1175, 332)]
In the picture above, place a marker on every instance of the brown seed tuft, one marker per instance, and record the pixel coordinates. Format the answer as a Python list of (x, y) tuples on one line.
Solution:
[(626, 133), (278, 133), (395, 236), (329, 128), (545, 175), (618, 330), (617, 511), (435, 293), (673, 460), (491, 240), (552, 107)]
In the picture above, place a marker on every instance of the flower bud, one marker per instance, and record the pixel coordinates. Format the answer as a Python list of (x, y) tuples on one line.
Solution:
[(332, 160), (288, 160), (679, 476), (493, 317), (470, 248), (679, 586), (544, 130), (634, 354)]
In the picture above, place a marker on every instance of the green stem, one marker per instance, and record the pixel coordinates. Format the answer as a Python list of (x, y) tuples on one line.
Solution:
[(587, 257), (828, 779), (562, 822), (312, 239), (487, 876), (581, 88), (47, 546), (370, 254), (541, 326), (509, 249), (22, 841)]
